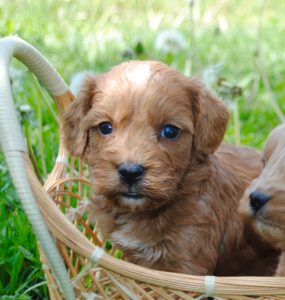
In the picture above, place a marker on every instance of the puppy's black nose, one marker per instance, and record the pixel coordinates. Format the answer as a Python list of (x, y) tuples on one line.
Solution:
[(131, 173), (258, 200)]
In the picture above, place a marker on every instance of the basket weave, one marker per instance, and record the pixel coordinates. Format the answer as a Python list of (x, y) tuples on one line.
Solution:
[(89, 272)]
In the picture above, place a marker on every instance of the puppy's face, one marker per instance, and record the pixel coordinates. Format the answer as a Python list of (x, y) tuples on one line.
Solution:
[(139, 127), (264, 201)]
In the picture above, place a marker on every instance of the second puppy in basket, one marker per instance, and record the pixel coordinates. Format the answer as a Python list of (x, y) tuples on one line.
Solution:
[(263, 203), (161, 192)]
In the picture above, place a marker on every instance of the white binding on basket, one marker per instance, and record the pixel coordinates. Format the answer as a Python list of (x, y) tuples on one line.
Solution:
[(210, 282), (96, 255)]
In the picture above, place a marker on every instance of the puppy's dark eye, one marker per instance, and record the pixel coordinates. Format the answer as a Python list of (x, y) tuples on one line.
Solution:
[(169, 131), (105, 128)]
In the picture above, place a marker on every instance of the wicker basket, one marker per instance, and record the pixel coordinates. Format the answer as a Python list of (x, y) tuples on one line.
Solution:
[(75, 263)]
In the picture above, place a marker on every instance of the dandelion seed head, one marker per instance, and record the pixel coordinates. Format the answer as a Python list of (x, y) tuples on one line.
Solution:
[(16, 76), (71, 212), (77, 81), (25, 108), (210, 74), (170, 41)]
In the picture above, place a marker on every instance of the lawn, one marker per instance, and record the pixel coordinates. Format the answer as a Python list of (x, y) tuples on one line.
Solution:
[(237, 47)]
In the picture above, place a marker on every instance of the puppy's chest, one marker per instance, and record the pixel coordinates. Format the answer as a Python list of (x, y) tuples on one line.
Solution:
[(139, 240), (135, 235), (127, 242)]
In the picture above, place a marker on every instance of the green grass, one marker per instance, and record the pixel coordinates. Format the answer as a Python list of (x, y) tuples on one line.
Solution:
[(79, 35)]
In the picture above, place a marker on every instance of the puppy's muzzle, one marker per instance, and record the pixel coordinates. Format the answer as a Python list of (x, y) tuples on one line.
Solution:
[(258, 200), (131, 173)]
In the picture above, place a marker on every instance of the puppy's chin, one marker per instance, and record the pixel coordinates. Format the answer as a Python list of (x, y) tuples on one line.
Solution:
[(132, 202)]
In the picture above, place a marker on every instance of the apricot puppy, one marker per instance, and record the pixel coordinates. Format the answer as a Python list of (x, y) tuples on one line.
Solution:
[(161, 192), (264, 200)]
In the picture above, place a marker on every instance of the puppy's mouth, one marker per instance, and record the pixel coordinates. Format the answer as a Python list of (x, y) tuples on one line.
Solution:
[(132, 200), (267, 224), (132, 195), (270, 231)]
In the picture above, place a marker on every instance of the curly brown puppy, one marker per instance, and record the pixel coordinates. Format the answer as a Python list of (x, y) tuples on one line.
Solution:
[(161, 192), (264, 200)]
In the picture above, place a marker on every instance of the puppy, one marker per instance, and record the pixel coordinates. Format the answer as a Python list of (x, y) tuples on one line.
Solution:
[(264, 201), (162, 193)]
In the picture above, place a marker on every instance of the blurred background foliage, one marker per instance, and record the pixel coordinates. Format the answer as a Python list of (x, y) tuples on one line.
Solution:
[(236, 46)]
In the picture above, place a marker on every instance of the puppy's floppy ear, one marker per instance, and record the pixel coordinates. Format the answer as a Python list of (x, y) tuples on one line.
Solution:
[(211, 118), (74, 134)]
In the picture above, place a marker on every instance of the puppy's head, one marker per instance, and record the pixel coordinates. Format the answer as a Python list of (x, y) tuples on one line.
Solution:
[(139, 127), (264, 201)]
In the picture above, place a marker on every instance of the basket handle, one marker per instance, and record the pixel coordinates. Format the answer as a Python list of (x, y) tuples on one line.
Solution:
[(14, 147)]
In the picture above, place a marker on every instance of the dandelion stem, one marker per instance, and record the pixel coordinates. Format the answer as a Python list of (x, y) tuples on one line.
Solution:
[(236, 123), (34, 287)]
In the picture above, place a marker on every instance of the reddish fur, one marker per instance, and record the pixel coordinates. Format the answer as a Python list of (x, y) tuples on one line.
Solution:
[(269, 221), (188, 220)]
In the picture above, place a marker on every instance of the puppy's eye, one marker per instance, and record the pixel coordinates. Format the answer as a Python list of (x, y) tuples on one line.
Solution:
[(169, 131), (105, 128)]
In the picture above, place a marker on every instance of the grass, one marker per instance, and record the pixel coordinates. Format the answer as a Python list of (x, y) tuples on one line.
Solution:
[(238, 44)]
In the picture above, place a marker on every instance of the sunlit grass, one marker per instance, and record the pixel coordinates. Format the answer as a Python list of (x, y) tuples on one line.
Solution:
[(80, 35)]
